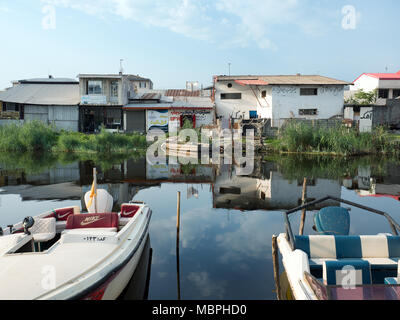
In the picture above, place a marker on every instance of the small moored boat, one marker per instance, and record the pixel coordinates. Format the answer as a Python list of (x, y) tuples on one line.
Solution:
[(66, 254), (333, 265)]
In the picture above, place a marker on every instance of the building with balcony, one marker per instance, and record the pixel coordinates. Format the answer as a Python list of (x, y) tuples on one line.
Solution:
[(102, 97)]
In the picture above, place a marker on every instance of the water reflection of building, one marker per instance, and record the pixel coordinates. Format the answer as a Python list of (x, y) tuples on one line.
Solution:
[(366, 184), (267, 191)]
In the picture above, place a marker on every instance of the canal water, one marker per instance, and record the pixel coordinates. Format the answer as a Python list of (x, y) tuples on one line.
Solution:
[(227, 220)]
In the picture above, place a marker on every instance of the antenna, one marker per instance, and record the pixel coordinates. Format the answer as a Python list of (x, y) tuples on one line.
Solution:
[(229, 66), (121, 70)]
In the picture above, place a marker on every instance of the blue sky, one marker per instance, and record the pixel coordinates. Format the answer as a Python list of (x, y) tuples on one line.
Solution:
[(178, 40)]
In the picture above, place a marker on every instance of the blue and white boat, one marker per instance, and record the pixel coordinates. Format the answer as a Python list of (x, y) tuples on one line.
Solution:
[(333, 265)]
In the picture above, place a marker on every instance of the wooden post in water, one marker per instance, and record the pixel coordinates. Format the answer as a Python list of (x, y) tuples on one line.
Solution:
[(275, 261), (178, 218), (95, 188), (303, 212)]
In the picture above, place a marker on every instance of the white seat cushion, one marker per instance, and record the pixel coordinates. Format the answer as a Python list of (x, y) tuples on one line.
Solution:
[(9, 241), (43, 229)]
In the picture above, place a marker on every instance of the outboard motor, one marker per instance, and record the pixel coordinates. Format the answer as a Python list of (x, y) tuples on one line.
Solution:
[(28, 223)]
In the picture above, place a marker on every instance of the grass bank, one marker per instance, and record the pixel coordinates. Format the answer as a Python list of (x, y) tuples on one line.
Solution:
[(299, 137), (37, 137)]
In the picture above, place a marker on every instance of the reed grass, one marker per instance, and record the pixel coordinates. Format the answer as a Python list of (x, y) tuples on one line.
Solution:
[(298, 137), (37, 137)]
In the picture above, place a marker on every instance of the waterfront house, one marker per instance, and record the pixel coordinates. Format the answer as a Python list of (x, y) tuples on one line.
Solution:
[(277, 98), (387, 84), (102, 97), (385, 110), (50, 100)]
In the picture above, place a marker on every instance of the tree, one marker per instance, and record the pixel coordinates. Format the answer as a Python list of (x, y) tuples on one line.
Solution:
[(363, 98)]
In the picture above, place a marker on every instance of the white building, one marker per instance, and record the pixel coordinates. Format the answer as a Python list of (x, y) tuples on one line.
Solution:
[(387, 84), (278, 97)]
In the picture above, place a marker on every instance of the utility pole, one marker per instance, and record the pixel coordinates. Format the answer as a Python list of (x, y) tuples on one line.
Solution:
[(121, 70)]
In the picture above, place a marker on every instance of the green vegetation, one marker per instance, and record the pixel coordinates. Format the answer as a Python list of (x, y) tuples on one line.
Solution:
[(363, 98), (298, 137), (298, 166), (37, 137)]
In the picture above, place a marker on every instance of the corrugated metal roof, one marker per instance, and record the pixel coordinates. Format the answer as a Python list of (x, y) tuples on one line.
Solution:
[(113, 76), (252, 82), (182, 93), (49, 80), (382, 76), (147, 96), (173, 105), (42, 94), (286, 79)]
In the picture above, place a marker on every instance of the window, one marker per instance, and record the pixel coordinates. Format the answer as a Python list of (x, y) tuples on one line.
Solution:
[(142, 84), (114, 89), (308, 91), (95, 87), (308, 112), (396, 93), (231, 190), (383, 93), (263, 94), (231, 96)]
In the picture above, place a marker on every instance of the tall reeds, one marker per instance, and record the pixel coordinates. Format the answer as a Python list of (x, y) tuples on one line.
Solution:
[(37, 137), (300, 137)]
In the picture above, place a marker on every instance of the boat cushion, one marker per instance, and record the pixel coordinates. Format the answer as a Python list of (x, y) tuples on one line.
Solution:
[(376, 263), (62, 214), (333, 221), (93, 220), (391, 281), (43, 229), (347, 247), (350, 272), (129, 210)]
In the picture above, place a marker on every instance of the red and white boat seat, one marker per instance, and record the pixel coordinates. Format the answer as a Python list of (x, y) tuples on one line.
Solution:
[(128, 211), (61, 215), (43, 229), (105, 221)]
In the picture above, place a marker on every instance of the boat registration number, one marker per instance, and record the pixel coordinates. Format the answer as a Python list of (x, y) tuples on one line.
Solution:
[(95, 239)]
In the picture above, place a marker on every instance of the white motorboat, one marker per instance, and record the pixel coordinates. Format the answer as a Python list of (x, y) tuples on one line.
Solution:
[(333, 265), (66, 254)]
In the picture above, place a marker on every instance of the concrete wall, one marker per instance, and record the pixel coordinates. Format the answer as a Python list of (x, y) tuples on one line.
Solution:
[(63, 117), (287, 101), (388, 115)]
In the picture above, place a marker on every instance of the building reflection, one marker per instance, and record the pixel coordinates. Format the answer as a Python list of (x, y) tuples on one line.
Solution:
[(267, 188)]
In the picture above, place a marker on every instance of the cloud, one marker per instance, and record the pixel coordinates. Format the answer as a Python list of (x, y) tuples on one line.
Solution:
[(227, 23), (207, 287)]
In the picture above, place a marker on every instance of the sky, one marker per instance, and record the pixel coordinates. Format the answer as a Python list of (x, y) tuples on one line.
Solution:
[(175, 41)]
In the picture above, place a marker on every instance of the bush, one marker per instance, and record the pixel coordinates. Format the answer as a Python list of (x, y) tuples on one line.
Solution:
[(303, 138)]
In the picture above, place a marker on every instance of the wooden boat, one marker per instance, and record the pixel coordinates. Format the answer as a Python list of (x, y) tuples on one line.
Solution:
[(66, 254), (333, 265)]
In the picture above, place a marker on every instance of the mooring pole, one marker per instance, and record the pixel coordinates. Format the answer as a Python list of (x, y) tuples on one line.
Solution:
[(178, 218), (275, 261), (303, 212)]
